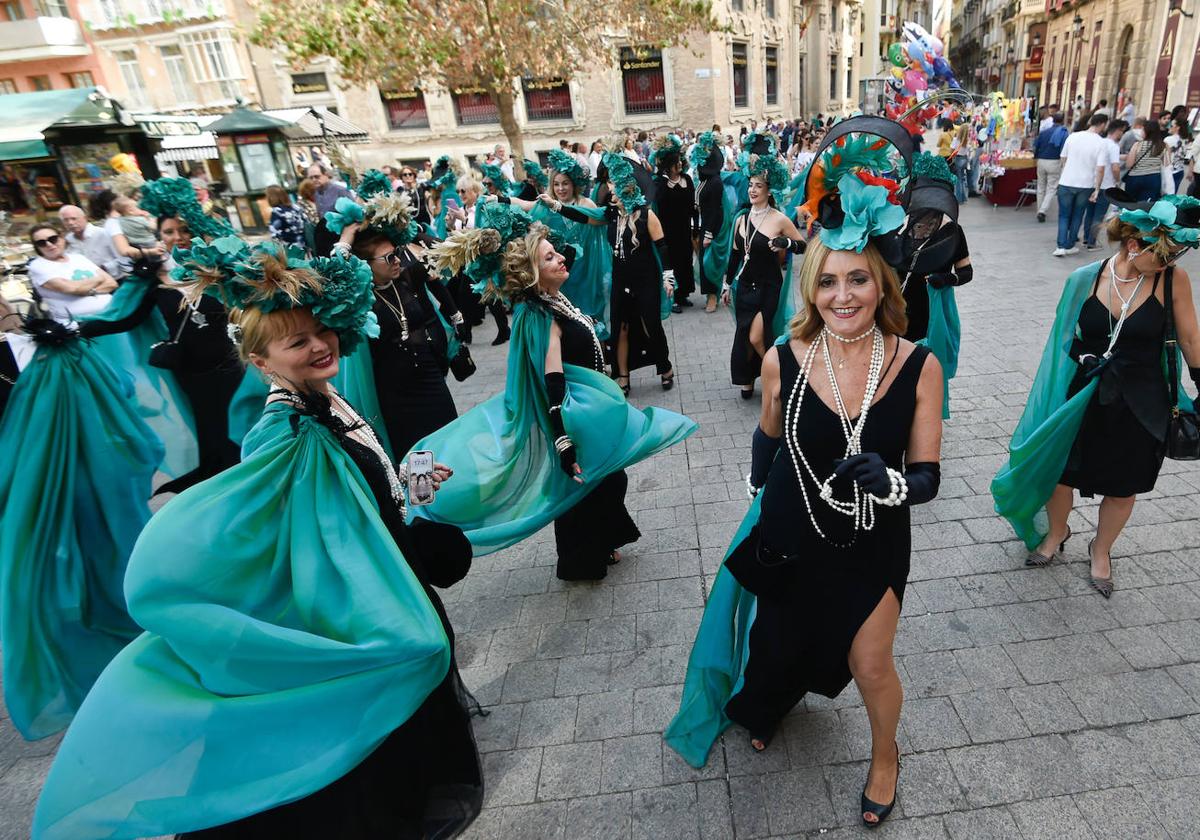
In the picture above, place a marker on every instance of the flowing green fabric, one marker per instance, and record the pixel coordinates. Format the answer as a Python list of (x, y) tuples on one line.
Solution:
[(718, 659), (590, 285), (943, 337), (507, 479), (160, 400), (73, 488), (286, 638), (440, 228), (1042, 440), (716, 254), (247, 404)]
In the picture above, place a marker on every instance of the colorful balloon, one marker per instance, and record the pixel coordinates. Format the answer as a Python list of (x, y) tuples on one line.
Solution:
[(896, 55)]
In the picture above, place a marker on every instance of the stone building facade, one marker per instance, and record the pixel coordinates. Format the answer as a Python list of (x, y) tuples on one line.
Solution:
[(44, 46)]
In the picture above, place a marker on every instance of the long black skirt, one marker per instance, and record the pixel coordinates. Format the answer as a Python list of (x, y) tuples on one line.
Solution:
[(588, 534), (745, 365), (636, 304)]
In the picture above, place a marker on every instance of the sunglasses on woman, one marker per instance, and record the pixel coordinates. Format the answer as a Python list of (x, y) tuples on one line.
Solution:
[(391, 257), (49, 240)]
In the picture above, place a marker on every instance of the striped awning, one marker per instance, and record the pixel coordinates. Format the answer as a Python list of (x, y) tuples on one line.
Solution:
[(306, 126), (202, 146)]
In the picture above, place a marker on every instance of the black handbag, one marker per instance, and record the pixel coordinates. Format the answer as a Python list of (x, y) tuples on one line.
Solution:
[(1183, 431), (167, 354), (761, 569), (462, 365)]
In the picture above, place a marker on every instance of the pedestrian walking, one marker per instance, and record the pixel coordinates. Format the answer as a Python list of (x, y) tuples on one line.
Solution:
[(675, 206), (1094, 214), (1084, 160), (1047, 150), (1098, 413), (287, 223), (1144, 164)]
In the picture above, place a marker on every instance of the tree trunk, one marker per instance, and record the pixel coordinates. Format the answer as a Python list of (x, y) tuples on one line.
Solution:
[(506, 104)]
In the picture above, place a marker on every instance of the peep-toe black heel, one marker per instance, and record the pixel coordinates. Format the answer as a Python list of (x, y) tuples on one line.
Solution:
[(881, 812)]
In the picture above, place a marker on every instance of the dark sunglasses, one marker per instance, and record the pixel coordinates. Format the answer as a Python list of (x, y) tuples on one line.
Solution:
[(408, 174), (49, 240), (391, 257)]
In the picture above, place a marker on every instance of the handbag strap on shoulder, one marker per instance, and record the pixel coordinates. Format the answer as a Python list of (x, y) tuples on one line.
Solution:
[(1171, 343)]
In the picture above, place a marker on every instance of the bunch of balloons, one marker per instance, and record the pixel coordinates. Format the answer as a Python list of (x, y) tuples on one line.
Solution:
[(919, 68)]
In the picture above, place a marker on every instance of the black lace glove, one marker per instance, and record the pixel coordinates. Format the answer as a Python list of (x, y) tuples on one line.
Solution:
[(556, 392)]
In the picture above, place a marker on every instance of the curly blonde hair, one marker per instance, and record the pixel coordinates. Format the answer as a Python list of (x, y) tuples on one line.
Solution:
[(519, 266)]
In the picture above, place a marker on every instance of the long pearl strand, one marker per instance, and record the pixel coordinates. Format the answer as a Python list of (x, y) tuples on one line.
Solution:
[(559, 303), (861, 509)]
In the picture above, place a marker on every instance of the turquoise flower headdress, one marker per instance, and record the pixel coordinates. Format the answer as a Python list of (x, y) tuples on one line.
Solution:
[(270, 277), (667, 149), (373, 182), (534, 172), (389, 212), (770, 168), (625, 185), (932, 187), (478, 252), (496, 175), (445, 174), (706, 152), (856, 185), (1171, 220), (176, 197), (570, 166)]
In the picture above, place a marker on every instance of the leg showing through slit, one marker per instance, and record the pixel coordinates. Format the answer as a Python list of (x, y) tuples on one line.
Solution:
[(758, 336), (874, 672), (623, 351)]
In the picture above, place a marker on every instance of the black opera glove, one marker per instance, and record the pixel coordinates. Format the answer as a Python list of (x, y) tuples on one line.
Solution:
[(783, 243), (868, 471), (958, 277), (763, 449), (567, 211), (918, 483), (556, 393)]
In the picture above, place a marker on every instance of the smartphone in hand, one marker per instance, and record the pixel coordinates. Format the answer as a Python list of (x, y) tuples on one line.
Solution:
[(420, 477)]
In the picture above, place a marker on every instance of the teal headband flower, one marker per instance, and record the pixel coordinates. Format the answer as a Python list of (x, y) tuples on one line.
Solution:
[(495, 174), (568, 165), (625, 185), (666, 150), (176, 197), (706, 144), (1162, 221), (868, 212), (346, 211), (770, 169), (535, 173), (374, 183)]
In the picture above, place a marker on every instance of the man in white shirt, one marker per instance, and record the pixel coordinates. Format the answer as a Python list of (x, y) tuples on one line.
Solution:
[(1084, 158), (91, 241), (1110, 160), (1048, 120), (503, 161)]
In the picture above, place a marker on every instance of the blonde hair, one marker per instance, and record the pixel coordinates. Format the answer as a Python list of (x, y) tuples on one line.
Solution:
[(259, 329), (890, 314), (519, 265), (468, 183)]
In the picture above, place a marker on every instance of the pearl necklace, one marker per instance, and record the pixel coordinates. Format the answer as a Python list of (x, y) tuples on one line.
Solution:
[(1112, 271), (558, 302), (861, 509), (365, 435)]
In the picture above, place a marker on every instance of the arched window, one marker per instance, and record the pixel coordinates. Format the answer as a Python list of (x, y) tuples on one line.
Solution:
[(1125, 44)]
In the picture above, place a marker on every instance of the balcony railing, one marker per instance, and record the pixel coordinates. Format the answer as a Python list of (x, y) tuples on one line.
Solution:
[(40, 37), (128, 14)]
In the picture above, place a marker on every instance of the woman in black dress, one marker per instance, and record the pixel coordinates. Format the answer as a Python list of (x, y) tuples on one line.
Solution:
[(857, 411), (710, 207), (410, 355), (206, 364), (675, 206), (761, 239), (1121, 443)]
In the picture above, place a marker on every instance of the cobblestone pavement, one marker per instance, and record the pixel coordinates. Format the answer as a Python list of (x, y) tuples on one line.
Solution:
[(1034, 708)]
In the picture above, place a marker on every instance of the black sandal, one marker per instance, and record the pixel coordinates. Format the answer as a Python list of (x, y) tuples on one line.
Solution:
[(624, 388), (881, 812), (765, 740), (668, 379)]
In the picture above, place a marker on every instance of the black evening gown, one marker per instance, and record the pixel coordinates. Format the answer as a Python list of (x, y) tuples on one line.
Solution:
[(637, 293), (1122, 441), (424, 780), (587, 534), (916, 297), (8, 373), (802, 633), (758, 288), (410, 370), (676, 209), (710, 204)]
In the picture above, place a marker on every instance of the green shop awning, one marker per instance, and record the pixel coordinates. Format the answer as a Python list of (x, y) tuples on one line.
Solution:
[(27, 115), (242, 119), (23, 150)]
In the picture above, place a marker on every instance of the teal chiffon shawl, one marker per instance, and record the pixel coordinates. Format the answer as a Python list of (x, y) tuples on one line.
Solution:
[(73, 488), (590, 285), (507, 480), (1042, 440), (286, 638)]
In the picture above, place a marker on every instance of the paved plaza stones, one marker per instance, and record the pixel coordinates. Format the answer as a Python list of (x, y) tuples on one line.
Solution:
[(1034, 709)]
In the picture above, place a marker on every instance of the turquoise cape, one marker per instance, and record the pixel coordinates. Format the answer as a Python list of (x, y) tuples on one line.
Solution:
[(507, 479), (1042, 440), (590, 285), (718, 659), (715, 258), (286, 638), (73, 488), (160, 400)]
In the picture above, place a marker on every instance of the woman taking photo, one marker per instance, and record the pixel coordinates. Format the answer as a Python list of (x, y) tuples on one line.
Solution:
[(1100, 412), (1144, 164), (849, 438), (555, 444), (762, 237), (323, 636)]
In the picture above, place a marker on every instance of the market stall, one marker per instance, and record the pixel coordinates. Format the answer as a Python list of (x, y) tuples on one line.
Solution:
[(1003, 178)]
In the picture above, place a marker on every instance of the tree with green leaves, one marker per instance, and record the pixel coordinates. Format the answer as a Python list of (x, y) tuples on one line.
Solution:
[(474, 44)]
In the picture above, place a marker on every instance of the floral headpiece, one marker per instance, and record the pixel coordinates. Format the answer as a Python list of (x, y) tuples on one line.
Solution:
[(855, 184), (176, 197), (478, 252), (932, 186), (535, 173), (270, 277), (445, 174), (708, 146), (1171, 220), (373, 183), (667, 149), (570, 166), (770, 168), (496, 175), (391, 213), (625, 185)]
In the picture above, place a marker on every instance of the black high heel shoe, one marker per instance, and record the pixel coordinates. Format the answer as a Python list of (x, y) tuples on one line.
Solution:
[(881, 812), (624, 388)]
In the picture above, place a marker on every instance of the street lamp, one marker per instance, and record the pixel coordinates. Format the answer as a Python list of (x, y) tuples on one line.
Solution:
[(1077, 26), (1009, 55)]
